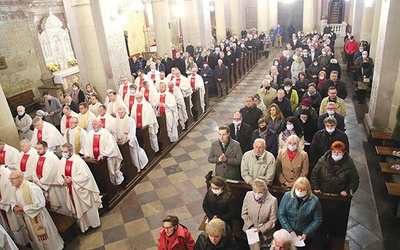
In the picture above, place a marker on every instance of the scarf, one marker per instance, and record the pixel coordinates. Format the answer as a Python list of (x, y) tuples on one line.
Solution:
[(291, 154), (21, 116), (77, 145), (84, 120), (334, 166), (263, 132), (286, 133)]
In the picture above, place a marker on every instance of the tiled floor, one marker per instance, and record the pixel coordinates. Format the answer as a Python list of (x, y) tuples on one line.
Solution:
[(176, 185)]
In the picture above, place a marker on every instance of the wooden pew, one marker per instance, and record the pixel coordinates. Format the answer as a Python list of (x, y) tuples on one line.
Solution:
[(163, 138), (66, 226), (196, 109), (245, 64), (127, 167), (206, 96), (227, 80), (394, 191), (383, 138), (384, 152), (26, 99), (240, 66), (190, 119), (100, 173), (142, 135), (231, 76), (387, 170), (236, 71)]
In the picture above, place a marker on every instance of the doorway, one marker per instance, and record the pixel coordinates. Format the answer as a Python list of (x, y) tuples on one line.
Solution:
[(290, 14)]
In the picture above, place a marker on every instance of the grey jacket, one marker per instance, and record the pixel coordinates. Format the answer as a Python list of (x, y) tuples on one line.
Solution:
[(55, 107), (231, 168)]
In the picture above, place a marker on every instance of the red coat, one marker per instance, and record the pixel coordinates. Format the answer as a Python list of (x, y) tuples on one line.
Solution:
[(183, 240), (351, 47)]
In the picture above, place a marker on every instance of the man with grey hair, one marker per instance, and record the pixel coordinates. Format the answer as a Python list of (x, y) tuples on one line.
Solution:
[(77, 136), (220, 75), (27, 158), (23, 121), (124, 87), (45, 131), (282, 241), (258, 164)]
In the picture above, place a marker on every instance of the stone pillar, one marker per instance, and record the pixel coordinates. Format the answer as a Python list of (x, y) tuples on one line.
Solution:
[(385, 93), (220, 19), (161, 27), (234, 10), (358, 8), (367, 23), (190, 23), (98, 39), (203, 9), (262, 16), (273, 13), (8, 130), (375, 29), (309, 16)]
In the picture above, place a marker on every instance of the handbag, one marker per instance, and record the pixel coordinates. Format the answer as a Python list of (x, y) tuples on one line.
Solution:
[(365, 79)]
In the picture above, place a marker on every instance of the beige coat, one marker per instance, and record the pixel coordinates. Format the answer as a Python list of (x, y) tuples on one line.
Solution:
[(288, 171), (340, 106)]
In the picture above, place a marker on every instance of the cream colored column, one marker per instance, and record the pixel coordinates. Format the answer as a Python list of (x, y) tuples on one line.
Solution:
[(203, 9), (367, 23), (385, 95), (375, 29), (273, 13), (309, 16), (8, 130), (262, 16), (190, 23), (161, 28), (220, 19), (234, 10), (358, 8)]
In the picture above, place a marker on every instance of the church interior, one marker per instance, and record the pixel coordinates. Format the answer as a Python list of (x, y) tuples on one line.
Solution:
[(48, 46)]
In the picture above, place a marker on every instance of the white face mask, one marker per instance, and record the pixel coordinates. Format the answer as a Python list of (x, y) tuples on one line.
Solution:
[(258, 196), (315, 64), (303, 120), (65, 155), (330, 112), (289, 126), (292, 148), (75, 88), (132, 91), (20, 113), (364, 56), (287, 88), (321, 77), (276, 64), (330, 130), (323, 53), (236, 123), (300, 194), (337, 157), (216, 191)]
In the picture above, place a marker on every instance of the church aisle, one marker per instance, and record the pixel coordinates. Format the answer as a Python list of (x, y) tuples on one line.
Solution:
[(177, 185)]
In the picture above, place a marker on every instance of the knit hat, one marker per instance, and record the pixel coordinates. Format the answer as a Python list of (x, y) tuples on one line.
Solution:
[(306, 102)]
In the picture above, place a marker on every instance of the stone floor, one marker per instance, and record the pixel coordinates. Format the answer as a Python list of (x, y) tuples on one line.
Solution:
[(176, 185)]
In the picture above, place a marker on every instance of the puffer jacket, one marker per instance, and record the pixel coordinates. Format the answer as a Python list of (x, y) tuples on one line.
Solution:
[(345, 179), (305, 218)]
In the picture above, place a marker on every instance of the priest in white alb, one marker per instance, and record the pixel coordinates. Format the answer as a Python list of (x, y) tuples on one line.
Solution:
[(82, 194), (94, 105), (85, 117), (180, 102), (149, 92), (68, 113), (77, 136), (141, 78), (197, 85), (8, 156), (27, 159), (166, 105), (29, 202), (124, 87), (144, 115), (162, 78), (172, 75), (114, 103), (102, 145), (153, 74), (45, 131), (107, 121), (129, 99), (183, 83)]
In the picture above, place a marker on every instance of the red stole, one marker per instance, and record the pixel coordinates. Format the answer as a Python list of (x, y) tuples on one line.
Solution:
[(141, 83), (103, 122), (139, 109), (124, 91), (39, 135), (96, 145), (22, 164), (171, 90), (146, 94), (131, 101), (67, 121), (162, 100), (3, 157), (192, 82), (153, 77), (178, 82), (172, 77), (39, 167), (68, 172)]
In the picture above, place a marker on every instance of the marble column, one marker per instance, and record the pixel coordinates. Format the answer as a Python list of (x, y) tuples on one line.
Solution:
[(358, 8), (262, 16), (203, 9), (309, 16), (273, 13), (385, 93), (8, 130), (220, 19), (98, 39), (367, 22), (161, 27), (375, 29), (190, 23), (234, 10)]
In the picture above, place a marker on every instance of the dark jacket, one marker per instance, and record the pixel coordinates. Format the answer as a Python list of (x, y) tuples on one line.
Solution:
[(184, 239), (168, 63), (227, 242), (199, 62), (284, 106), (315, 99), (223, 207), (322, 142), (206, 73), (340, 87), (244, 136), (345, 179), (135, 66), (339, 120), (304, 218), (220, 72), (271, 141), (190, 49), (180, 64), (251, 116), (313, 70), (160, 67)]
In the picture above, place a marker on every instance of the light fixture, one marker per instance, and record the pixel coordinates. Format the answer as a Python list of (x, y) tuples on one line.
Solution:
[(368, 3), (212, 5), (136, 6)]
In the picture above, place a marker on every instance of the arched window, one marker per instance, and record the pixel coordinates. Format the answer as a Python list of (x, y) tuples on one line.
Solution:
[(335, 11)]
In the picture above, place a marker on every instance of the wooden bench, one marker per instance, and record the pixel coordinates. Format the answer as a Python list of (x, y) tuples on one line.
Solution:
[(66, 226), (394, 191), (384, 152), (26, 99), (142, 135), (190, 119), (127, 167), (387, 170), (196, 109), (383, 138), (163, 138)]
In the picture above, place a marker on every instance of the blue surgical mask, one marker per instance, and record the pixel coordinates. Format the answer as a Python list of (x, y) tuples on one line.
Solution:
[(65, 155)]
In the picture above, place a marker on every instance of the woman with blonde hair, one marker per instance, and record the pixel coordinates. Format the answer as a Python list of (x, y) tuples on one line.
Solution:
[(89, 91), (300, 211), (218, 235)]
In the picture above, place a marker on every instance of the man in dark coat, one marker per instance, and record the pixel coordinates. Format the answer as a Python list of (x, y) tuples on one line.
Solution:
[(283, 103), (190, 49), (168, 63), (241, 132), (251, 113), (179, 63), (134, 65), (334, 81), (331, 112)]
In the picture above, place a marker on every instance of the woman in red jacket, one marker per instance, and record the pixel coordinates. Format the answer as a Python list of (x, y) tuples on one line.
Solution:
[(174, 236)]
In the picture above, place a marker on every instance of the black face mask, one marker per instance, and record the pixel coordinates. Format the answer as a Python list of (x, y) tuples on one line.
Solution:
[(267, 88), (263, 128)]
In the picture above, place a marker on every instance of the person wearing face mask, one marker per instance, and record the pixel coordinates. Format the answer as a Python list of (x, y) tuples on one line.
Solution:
[(332, 97), (129, 98), (300, 211), (309, 127), (291, 94), (350, 48), (321, 79), (292, 161), (364, 70), (218, 235), (219, 201), (77, 94), (335, 172), (259, 212), (306, 58), (331, 111), (324, 59), (293, 127), (23, 123), (241, 132), (313, 70), (297, 67), (286, 64), (313, 95), (82, 194), (301, 84), (324, 138), (124, 86), (334, 66)]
